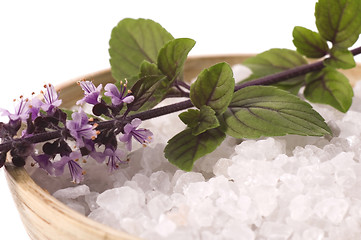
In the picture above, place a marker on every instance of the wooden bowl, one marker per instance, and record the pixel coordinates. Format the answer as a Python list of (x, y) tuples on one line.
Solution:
[(45, 217)]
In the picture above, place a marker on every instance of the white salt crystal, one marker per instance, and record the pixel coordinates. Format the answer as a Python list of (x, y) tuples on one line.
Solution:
[(72, 192), (332, 209), (236, 207), (142, 181), (275, 230), (103, 216), (311, 175), (152, 157), (124, 200), (158, 205), (76, 205), (160, 181), (185, 179), (91, 200), (313, 233), (345, 178), (221, 167), (254, 173), (292, 182), (165, 226), (198, 191), (300, 208), (266, 149), (118, 178), (265, 198), (134, 226), (209, 235), (202, 213), (237, 230), (343, 160)]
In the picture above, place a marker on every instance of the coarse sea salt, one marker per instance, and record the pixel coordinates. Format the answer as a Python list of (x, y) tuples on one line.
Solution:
[(291, 187)]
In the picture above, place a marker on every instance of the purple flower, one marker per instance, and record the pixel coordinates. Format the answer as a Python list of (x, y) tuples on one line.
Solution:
[(114, 158), (80, 129), (76, 172), (43, 160), (118, 97), (34, 107), (51, 98), (91, 93), (141, 135), (21, 110), (90, 146)]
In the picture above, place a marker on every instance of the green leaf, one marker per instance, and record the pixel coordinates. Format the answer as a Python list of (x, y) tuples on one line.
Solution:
[(133, 41), (214, 87), (185, 148), (329, 87), (257, 111), (173, 55), (309, 43), (148, 92), (200, 120), (277, 60), (340, 58), (339, 21), (149, 69)]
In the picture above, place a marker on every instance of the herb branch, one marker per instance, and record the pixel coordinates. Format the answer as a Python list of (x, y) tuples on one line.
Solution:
[(147, 64)]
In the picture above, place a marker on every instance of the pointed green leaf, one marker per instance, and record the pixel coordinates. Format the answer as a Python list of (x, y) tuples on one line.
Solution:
[(148, 92), (190, 117), (329, 87), (340, 58), (257, 111), (173, 55), (133, 41), (214, 87), (200, 120), (149, 69), (185, 148), (309, 43), (277, 60), (339, 21)]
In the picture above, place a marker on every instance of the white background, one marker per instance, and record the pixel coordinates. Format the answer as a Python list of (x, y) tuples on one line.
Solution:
[(54, 41)]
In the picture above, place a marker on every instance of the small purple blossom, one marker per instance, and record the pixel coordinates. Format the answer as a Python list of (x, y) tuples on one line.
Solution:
[(51, 98), (91, 93), (141, 135), (80, 128), (118, 97), (114, 158), (76, 172), (21, 110), (34, 107), (90, 146), (43, 160)]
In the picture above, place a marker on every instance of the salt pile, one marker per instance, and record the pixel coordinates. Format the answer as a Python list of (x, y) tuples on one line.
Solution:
[(288, 187)]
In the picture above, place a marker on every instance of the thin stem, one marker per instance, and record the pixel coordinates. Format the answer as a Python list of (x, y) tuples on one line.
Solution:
[(290, 73), (157, 112), (183, 84)]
